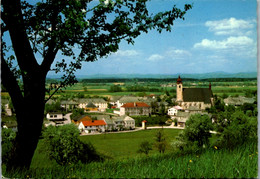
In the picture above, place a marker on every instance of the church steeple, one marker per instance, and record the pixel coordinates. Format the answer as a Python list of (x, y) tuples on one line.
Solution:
[(179, 81), (179, 90)]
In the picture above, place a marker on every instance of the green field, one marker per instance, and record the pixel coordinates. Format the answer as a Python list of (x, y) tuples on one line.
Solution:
[(125, 145), (114, 146), (127, 163)]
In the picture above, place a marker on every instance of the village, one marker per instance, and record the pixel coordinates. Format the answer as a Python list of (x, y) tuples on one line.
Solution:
[(118, 113)]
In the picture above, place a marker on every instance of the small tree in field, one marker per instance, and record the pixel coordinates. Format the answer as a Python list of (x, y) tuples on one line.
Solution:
[(145, 147), (198, 129), (160, 141)]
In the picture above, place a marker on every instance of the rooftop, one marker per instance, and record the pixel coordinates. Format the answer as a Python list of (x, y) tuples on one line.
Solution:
[(135, 105), (94, 123), (197, 95)]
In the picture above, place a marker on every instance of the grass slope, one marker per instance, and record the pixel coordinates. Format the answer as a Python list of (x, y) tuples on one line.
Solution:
[(239, 163)]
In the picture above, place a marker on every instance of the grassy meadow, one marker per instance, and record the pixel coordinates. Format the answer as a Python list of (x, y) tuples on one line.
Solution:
[(127, 163)]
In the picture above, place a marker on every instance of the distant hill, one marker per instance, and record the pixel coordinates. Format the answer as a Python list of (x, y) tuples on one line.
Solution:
[(160, 76)]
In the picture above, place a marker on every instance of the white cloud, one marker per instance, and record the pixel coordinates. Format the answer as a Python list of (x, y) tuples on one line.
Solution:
[(240, 42), (231, 26), (126, 53), (178, 53), (155, 57)]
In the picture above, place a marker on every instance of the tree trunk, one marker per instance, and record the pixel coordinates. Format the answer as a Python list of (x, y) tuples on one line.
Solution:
[(29, 114)]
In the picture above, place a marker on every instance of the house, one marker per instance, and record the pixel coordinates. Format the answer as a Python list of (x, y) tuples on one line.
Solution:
[(7, 109), (201, 98), (126, 99), (54, 116), (238, 101), (110, 124), (84, 118), (135, 109), (114, 99), (181, 117), (99, 103), (91, 107), (129, 122), (69, 104), (119, 123), (92, 126), (173, 111)]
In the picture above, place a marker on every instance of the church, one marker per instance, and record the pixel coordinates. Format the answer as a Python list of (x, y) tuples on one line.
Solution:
[(193, 98)]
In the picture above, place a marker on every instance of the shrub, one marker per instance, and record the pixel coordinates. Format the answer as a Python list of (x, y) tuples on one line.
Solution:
[(64, 146), (240, 129), (160, 141), (8, 138), (196, 133), (145, 147)]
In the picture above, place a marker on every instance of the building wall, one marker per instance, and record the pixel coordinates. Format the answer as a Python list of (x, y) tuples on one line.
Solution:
[(54, 116), (199, 105), (135, 111), (179, 89), (172, 111)]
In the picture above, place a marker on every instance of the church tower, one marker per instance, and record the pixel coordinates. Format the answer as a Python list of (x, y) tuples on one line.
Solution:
[(179, 90)]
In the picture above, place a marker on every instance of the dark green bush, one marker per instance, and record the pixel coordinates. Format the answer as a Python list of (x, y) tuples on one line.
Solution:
[(240, 129), (8, 137), (64, 146), (195, 135)]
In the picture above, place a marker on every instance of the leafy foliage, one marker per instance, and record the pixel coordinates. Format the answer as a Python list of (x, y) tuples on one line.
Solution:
[(8, 136), (196, 133), (160, 141), (64, 146), (239, 129), (145, 147), (115, 88), (55, 107), (76, 113)]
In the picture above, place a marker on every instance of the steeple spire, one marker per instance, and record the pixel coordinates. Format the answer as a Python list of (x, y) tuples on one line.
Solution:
[(179, 80)]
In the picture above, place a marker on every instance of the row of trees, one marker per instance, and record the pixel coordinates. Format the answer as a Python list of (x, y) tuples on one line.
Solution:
[(134, 88)]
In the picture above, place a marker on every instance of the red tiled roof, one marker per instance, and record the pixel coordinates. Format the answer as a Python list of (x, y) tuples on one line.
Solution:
[(135, 105), (94, 123)]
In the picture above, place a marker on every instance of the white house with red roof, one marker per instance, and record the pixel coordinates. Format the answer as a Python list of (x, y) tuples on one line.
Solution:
[(92, 126), (135, 109)]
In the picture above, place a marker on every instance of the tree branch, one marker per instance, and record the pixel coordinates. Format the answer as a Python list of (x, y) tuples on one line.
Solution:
[(10, 83), (13, 18)]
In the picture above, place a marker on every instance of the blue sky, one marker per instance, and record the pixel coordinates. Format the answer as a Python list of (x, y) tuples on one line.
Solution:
[(216, 35)]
